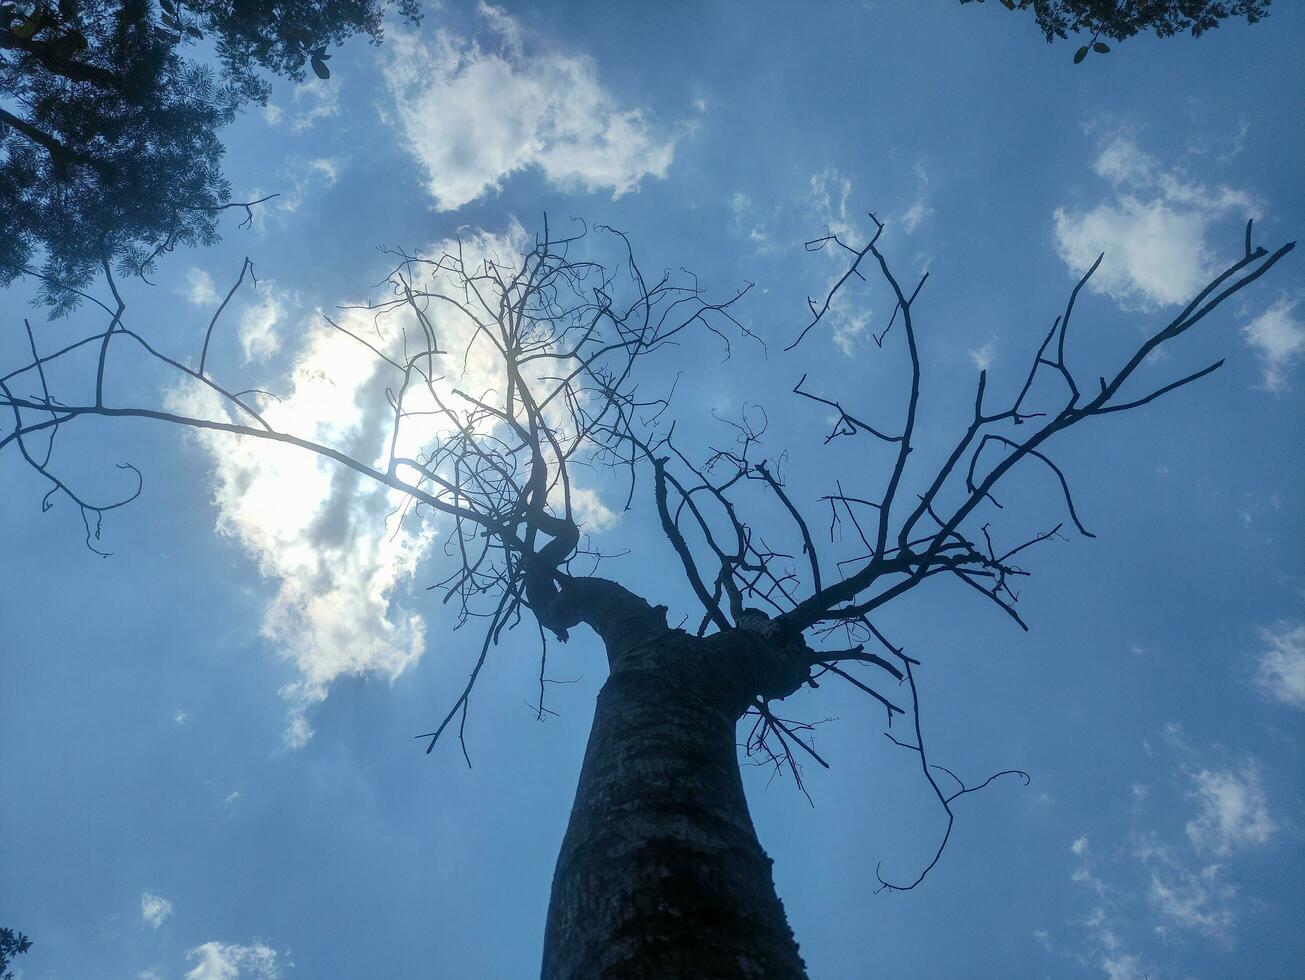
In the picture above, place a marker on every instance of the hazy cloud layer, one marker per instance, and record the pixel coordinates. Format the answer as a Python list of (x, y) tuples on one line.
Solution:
[(475, 111)]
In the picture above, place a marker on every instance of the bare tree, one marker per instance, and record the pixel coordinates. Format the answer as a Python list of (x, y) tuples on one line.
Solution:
[(660, 872)]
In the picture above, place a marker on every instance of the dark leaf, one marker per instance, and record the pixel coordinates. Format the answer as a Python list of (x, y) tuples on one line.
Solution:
[(319, 68), (29, 26), (1100, 47), (1080, 54)]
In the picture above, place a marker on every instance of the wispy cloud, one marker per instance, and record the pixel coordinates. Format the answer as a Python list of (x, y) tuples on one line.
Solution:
[(311, 101), (229, 961), (476, 111), (154, 910), (829, 194), (1154, 228), (983, 356), (1169, 876), (1281, 667), (1278, 338), (919, 211), (744, 222)]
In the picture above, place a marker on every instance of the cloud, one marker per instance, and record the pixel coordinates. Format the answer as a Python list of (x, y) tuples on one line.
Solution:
[(1281, 671), (590, 512), (228, 961), (1234, 812), (982, 356), (330, 541), (296, 181), (1153, 229), (829, 193), (154, 911), (311, 101), (1122, 967), (1160, 879), (742, 222), (256, 328), (473, 115), (199, 287), (1279, 340), (317, 530), (304, 177), (1196, 901), (919, 211)]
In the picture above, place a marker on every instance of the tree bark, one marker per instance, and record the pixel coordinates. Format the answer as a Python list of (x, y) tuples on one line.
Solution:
[(660, 873)]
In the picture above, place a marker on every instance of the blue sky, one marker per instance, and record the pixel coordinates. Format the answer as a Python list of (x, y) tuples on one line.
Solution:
[(207, 737)]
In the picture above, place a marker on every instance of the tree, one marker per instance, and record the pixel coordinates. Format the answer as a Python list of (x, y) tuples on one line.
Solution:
[(1121, 19), (511, 375), (11, 944), (109, 153)]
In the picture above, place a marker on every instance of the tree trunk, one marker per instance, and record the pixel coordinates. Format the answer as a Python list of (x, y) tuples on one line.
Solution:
[(660, 873)]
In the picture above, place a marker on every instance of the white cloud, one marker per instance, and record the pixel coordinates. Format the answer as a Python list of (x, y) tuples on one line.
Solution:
[(1234, 812), (1279, 339), (982, 356), (1079, 846), (228, 961), (199, 287), (1153, 230), (474, 115), (180, 717), (1281, 673), (325, 536), (256, 328), (154, 911), (590, 512)]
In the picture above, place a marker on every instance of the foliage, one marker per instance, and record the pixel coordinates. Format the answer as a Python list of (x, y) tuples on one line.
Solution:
[(11, 944), (109, 152), (1121, 19)]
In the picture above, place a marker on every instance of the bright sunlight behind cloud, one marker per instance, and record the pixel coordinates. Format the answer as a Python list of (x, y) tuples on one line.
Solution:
[(332, 540)]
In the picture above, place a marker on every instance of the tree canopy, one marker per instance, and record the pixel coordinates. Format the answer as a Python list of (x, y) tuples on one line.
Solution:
[(109, 119), (1121, 19)]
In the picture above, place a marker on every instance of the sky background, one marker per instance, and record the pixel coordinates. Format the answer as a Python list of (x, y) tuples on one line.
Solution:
[(206, 739)]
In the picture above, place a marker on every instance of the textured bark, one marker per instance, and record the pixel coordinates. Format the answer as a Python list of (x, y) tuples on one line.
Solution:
[(660, 873)]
